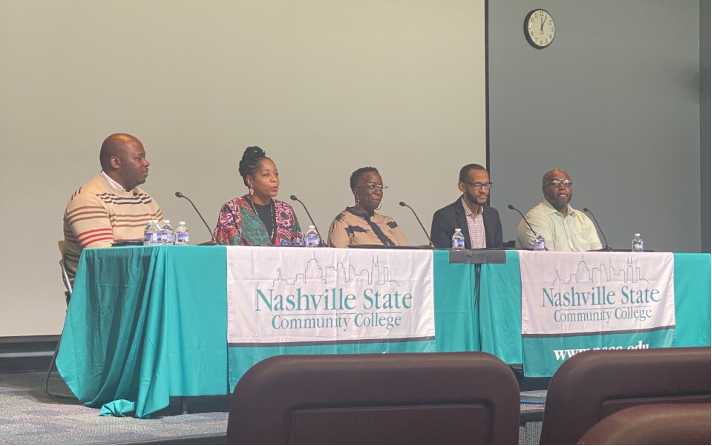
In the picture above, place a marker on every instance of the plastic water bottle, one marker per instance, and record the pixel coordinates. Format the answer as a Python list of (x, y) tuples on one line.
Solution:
[(167, 234), (151, 233), (182, 237), (539, 243), (297, 239), (458, 240), (311, 238), (637, 243)]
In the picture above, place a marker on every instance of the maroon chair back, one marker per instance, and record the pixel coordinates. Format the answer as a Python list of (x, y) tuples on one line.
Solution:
[(594, 384), (654, 424), (419, 398)]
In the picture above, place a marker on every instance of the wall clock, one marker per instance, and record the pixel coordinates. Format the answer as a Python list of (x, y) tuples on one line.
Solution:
[(539, 28)]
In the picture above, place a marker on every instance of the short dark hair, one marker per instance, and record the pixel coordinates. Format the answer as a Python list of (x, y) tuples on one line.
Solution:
[(466, 169), (357, 174), (250, 162)]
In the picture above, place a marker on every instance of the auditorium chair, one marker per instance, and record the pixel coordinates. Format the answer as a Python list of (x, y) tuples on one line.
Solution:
[(67, 296), (654, 424), (410, 398), (595, 384)]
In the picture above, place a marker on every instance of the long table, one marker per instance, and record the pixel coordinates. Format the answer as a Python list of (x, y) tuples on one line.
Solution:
[(148, 323)]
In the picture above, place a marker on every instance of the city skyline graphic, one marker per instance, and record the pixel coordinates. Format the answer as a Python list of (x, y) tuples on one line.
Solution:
[(341, 272), (603, 273)]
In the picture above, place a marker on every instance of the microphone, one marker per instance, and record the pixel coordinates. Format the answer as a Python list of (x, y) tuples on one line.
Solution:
[(523, 218), (402, 203), (321, 240), (606, 247), (212, 237)]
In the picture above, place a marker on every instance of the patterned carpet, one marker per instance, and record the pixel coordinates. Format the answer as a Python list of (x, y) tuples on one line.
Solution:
[(29, 416)]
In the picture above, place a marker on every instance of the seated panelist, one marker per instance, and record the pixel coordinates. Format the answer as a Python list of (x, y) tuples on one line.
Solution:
[(360, 224), (563, 227), (256, 218), (480, 223), (110, 207)]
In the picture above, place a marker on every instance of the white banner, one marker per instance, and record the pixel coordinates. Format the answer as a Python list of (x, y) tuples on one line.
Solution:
[(316, 295), (596, 292)]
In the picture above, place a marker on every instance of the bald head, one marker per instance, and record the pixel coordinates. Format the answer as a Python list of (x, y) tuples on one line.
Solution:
[(123, 158), (113, 146), (553, 174)]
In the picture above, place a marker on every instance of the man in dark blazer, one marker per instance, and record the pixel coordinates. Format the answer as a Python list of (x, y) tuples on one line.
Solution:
[(470, 211)]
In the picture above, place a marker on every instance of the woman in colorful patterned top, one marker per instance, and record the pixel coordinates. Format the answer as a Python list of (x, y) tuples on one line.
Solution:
[(257, 218), (360, 224)]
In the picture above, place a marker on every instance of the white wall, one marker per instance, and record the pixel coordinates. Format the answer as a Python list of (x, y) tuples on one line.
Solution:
[(324, 86)]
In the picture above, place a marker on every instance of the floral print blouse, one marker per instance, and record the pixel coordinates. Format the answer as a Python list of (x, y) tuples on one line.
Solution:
[(238, 224)]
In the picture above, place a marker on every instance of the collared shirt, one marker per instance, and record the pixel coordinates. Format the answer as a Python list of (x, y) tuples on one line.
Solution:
[(112, 183), (571, 232), (476, 226)]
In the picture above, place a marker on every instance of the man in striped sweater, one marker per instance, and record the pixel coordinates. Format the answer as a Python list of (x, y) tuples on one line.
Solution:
[(110, 207)]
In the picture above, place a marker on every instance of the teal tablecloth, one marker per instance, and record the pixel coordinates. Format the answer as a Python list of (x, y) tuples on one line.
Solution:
[(148, 323), (144, 324)]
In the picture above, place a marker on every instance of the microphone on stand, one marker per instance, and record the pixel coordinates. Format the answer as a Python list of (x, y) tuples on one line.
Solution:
[(605, 247), (321, 240), (523, 218), (212, 237), (402, 203)]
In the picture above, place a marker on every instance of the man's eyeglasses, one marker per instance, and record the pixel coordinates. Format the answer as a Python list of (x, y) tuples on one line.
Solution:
[(557, 183), (373, 186), (487, 186)]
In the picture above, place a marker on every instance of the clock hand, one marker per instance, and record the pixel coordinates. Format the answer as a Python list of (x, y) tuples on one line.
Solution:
[(542, 25)]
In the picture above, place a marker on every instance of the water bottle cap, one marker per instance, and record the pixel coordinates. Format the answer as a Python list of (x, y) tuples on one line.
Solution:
[(637, 234), (312, 227), (166, 221), (182, 223), (458, 230)]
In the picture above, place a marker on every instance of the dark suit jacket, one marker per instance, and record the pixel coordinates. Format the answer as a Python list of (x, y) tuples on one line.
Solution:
[(453, 216)]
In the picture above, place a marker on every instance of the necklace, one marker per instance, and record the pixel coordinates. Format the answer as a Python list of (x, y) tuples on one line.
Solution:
[(271, 212)]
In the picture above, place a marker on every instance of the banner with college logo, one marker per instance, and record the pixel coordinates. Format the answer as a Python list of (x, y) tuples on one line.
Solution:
[(311, 300), (607, 300)]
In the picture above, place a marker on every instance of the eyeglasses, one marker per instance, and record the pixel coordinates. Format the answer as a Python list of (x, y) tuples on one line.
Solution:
[(373, 186), (557, 183), (487, 186)]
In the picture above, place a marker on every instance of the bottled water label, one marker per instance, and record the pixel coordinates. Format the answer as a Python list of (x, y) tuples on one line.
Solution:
[(150, 238), (312, 241), (458, 243), (458, 240), (637, 243), (182, 238), (311, 238), (297, 239), (168, 238)]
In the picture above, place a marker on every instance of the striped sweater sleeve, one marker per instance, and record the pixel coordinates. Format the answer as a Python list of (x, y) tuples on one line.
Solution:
[(87, 221)]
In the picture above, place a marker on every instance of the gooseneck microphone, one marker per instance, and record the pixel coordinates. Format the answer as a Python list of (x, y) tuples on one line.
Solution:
[(321, 240), (606, 247), (523, 218), (402, 203), (180, 195)]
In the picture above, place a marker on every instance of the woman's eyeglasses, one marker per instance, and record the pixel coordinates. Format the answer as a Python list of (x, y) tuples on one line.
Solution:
[(373, 186)]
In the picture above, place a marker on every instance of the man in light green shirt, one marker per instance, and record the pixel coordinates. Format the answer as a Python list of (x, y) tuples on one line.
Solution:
[(563, 227)]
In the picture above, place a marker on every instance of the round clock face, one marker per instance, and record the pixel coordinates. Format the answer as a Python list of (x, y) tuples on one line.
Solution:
[(539, 28)]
